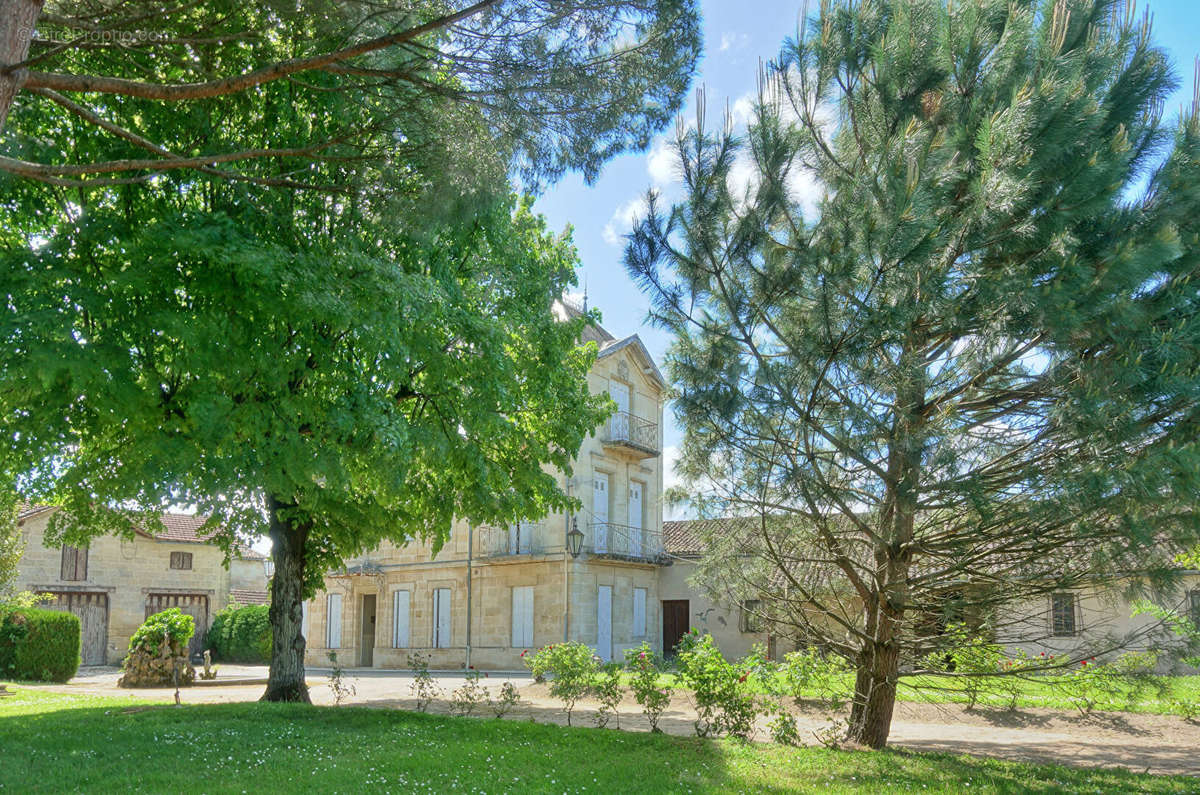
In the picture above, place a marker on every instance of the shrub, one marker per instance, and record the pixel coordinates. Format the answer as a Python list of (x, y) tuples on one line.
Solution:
[(39, 645), (723, 699), (509, 698), (464, 700), (171, 625), (423, 687), (241, 634), (341, 689), (1111, 685), (809, 674), (653, 696), (975, 661), (606, 687), (572, 666)]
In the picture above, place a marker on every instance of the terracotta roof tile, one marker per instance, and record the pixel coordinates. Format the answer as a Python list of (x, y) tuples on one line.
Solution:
[(245, 596)]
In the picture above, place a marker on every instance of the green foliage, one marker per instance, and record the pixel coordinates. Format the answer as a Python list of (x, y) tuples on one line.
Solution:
[(338, 685), (423, 686), (277, 748), (544, 86), (1183, 626), (464, 699), (508, 699), (571, 667), (171, 626), (38, 645), (648, 688), (606, 688), (241, 634), (948, 326), (1115, 684), (809, 674), (725, 701)]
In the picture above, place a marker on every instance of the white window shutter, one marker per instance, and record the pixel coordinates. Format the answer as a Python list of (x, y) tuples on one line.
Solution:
[(304, 619), (639, 612), (522, 616), (400, 611), (441, 618), (333, 622)]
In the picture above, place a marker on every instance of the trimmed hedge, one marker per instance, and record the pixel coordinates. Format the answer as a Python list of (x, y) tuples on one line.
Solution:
[(241, 634), (39, 645)]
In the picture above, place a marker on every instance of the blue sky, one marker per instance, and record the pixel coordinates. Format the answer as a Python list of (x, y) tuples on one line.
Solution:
[(738, 33)]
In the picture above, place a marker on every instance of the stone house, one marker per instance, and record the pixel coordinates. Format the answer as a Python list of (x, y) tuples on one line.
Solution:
[(492, 593), (736, 627), (114, 584)]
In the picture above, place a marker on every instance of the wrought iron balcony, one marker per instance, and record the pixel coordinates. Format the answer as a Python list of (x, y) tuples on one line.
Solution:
[(624, 542), (523, 538), (632, 433)]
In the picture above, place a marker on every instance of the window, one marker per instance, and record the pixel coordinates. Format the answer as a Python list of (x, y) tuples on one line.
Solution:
[(74, 563), (1194, 606), (639, 612), (304, 620), (1062, 615), (401, 603), (522, 617), (181, 560), (751, 618), (333, 622), (441, 618)]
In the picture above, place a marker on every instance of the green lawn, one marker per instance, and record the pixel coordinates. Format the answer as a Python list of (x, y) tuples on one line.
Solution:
[(1159, 695), (53, 743)]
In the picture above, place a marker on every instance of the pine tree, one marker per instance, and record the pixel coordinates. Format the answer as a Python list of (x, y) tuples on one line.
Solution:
[(966, 376)]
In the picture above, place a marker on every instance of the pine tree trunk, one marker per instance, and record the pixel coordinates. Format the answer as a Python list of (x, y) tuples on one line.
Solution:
[(288, 538), (17, 20), (874, 695)]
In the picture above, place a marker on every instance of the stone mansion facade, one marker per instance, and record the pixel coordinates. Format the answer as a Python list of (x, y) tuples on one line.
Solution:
[(492, 593)]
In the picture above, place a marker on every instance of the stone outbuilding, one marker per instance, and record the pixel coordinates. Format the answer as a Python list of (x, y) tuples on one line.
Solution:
[(114, 584)]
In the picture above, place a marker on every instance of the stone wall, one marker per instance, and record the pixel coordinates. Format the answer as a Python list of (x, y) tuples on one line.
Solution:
[(127, 570)]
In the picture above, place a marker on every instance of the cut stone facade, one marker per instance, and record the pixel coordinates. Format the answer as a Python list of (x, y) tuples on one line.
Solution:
[(115, 582), (469, 604)]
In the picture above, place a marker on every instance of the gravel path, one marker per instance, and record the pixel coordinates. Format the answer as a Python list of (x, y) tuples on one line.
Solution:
[(1144, 743)]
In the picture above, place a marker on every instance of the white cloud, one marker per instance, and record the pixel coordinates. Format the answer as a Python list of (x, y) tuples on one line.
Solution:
[(733, 41), (662, 163), (623, 219)]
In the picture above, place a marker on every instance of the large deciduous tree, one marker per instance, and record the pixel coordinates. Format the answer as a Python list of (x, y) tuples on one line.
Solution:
[(968, 375), (97, 93), (353, 386)]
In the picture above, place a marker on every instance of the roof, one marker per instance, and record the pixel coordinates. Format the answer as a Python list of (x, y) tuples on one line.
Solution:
[(177, 527), (683, 538), (634, 342), (246, 596)]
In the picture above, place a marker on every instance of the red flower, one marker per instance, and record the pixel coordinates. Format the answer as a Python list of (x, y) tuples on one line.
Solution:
[(525, 652), (1083, 663), (742, 678)]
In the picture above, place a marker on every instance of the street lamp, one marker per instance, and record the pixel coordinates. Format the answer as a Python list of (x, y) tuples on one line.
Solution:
[(574, 538)]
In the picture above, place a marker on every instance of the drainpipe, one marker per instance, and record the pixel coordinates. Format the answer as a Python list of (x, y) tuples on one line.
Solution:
[(470, 552), (566, 570)]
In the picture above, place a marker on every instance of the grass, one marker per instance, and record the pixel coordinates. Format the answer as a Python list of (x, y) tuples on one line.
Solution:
[(1157, 695), (54, 743)]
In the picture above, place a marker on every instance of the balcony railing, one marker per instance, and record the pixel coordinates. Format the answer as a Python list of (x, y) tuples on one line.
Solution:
[(632, 433), (524, 538), (624, 542)]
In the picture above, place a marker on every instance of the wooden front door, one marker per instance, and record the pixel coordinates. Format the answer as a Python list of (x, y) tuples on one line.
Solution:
[(366, 648), (675, 624), (194, 605), (92, 609)]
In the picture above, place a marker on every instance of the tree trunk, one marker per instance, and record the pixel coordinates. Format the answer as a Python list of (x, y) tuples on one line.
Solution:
[(17, 20), (288, 539), (874, 695)]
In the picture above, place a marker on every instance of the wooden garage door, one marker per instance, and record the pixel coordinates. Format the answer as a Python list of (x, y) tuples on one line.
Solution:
[(92, 609), (194, 605)]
